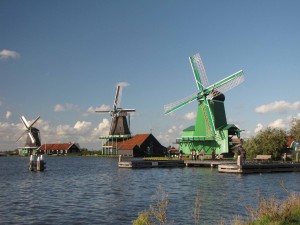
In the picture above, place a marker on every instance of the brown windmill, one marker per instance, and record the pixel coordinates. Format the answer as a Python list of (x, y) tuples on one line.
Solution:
[(119, 124)]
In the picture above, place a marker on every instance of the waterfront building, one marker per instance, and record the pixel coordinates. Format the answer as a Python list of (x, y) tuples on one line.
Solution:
[(61, 148)]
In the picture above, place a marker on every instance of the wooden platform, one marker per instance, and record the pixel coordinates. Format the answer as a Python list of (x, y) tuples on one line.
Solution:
[(260, 167), (205, 163), (151, 164), (224, 166)]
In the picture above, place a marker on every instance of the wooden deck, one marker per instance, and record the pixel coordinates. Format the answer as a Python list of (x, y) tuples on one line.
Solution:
[(151, 164), (260, 167), (224, 166), (206, 163)]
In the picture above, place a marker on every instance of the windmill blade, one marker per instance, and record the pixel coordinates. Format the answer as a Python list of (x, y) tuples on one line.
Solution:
[(25, 122), (226, 84), (178, 104), (199, 71), (21, 135), (34, 122), (127, 110), (31, 137), (208, 119), (117, 100), (103, 111)]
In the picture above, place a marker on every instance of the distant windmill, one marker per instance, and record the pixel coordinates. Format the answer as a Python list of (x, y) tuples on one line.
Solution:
[(33, 140), (119, 124), (211, 130)]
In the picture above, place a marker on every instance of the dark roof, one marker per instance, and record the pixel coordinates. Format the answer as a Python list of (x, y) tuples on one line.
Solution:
[(228, 126), (138, 140), (190, 128), (63, 146)]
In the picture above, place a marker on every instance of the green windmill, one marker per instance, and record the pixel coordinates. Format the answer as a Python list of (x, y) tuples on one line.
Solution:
[(211, 130)]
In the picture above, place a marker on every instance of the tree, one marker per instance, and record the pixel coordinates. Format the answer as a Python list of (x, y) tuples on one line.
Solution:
[(267, 142), (295, 130)]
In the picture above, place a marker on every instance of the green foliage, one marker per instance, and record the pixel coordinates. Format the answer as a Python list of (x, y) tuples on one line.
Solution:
[(267, 142), (271, 211), (295, 129), (157, 212)]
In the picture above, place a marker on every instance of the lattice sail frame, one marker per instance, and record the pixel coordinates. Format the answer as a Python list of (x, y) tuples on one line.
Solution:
[(201, 81), (227, 86), (209, 128), (196, 60), (180, 103)]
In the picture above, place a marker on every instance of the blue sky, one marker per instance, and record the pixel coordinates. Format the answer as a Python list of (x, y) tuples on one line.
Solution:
[(63, 59)]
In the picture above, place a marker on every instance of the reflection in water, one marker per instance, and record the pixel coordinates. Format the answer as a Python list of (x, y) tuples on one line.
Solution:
[(95, 191)]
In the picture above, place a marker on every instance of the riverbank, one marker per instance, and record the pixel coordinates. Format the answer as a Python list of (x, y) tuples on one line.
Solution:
[(269, 211)]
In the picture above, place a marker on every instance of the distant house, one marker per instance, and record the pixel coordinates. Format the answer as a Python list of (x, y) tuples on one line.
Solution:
[(141, 145), (63, 148)]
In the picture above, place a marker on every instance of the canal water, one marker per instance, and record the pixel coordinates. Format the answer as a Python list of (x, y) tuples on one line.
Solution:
[(92, 190)]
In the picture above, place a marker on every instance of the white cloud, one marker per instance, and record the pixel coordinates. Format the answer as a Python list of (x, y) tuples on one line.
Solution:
[(103, 125), (170, 131), (8, 114), (82, 125), (5, 54), (168, 137), (102, 128), (103, 107), (278, 106), (66, 107), (190, 116), (59, 108), (258, 128), (279, 123), (70, 106), (64, 130)]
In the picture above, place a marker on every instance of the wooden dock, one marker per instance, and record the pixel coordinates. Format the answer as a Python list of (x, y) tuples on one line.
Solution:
[(260, 167), (224, 166), (151, 164), (208, 163)]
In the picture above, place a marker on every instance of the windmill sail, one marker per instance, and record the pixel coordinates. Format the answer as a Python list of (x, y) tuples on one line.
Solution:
[(33, 136), (178, 104), (206, 94), (117, 98), (226, 84), (199, 72)]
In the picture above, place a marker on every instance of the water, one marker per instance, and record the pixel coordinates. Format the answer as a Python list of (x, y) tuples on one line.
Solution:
[(88, 190)]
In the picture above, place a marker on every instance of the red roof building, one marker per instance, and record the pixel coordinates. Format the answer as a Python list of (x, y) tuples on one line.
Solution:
[(141, 145), (62, 148)]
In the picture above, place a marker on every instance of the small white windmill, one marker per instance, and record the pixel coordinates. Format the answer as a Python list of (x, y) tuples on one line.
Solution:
[(33, 140)]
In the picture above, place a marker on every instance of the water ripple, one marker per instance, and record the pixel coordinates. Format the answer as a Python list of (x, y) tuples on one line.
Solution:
[(78, 190)]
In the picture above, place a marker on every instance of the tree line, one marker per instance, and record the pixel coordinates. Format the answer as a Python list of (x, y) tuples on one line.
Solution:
[(272, 141)]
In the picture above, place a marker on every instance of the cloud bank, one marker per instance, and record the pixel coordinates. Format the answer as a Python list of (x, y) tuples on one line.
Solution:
[(5, 54), (278, 106), (66, 107)]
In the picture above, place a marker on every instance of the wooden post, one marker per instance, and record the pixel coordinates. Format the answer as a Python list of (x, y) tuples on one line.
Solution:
[(239, 163), (38, 164), (297, 157), (120, 158)]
